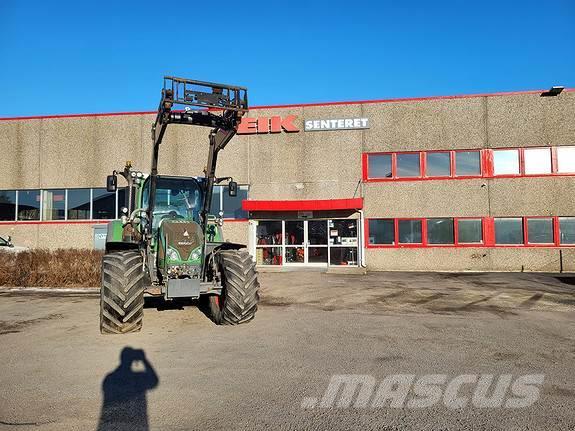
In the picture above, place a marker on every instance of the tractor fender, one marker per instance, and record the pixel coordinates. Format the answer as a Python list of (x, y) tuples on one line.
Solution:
[(228, 246), (114, 238)]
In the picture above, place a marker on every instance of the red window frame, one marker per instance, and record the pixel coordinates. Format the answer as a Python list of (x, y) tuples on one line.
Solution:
[(486, 157), (440, 177), (552, 155), (395, 231), (555, 162), (557, 231), (468, 244), (526, 231), (487, 230), (520, 161), (427, 231), (422, 165), (482, 169), (423, 242), (394, 165)]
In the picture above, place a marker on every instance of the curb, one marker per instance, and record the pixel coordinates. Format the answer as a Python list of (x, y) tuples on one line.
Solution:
[(91, 290)]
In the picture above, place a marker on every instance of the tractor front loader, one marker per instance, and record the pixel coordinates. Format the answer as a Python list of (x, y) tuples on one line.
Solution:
[(165, 243)]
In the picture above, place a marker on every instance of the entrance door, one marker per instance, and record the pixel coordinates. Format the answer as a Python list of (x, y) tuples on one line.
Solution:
[(295, 241), (306, 242), (316, 244)]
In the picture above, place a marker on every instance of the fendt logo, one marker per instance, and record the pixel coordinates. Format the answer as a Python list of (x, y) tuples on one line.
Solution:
[(275, 124)]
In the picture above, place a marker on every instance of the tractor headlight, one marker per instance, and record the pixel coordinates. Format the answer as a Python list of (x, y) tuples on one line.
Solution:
[(196, 254), (172, 254)]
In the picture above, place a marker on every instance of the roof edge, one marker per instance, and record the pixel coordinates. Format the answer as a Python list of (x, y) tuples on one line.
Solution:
[(298, 105)]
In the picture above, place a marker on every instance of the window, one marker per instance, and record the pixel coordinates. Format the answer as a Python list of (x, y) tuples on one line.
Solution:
[(409, 231), (269, 233), (444, 164), (345, 230), (381, 231), (269, 256), (440, 231), (29, 205), (317, 232), (537, 161), (104, 204), (343, 256), (379, 166), (79, 204), (122, 199), (469, 231), (540, 230), (216, 205), (233, 205), (7, 205), (508, 231), (408, 165), (438, 164), (566, 160), (268, 237), (54, 204), (467, 163), (506, 162), (294, 232), (567, 230)]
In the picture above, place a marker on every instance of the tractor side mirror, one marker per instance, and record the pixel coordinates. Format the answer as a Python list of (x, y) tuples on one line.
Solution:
[(111, 183), (232, 189)]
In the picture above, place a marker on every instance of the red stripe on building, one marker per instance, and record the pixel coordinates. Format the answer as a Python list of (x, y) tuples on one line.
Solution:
[(303, 205)]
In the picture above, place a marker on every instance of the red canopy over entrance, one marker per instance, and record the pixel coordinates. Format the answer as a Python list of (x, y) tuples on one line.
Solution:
[(303, 205)]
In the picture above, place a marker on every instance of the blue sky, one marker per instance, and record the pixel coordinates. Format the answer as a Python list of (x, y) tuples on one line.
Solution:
[(61, 57)]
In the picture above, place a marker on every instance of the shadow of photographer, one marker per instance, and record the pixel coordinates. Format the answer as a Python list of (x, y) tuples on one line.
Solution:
[(125, 406)]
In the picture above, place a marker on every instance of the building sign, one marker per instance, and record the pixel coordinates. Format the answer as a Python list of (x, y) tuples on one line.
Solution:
[(336, 124), (275, 124)]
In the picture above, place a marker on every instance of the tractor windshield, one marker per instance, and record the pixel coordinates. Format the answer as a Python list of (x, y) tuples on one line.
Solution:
[(176, 198)]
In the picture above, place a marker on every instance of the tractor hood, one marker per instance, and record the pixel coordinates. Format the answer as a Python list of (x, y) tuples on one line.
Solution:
[(183, 236)]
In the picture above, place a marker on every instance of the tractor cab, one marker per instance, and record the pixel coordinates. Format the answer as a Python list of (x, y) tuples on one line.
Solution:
[(177, 198)]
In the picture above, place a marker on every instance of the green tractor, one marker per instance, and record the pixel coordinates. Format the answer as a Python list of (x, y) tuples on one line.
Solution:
[(166, 244)]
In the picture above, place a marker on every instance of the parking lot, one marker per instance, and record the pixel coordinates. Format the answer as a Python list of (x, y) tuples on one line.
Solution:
[(184, 373)]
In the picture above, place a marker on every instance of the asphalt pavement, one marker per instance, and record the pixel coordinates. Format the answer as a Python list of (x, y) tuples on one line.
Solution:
[(184, 373)]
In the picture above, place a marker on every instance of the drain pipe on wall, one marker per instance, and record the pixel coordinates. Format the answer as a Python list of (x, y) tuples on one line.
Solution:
[(361, 245)]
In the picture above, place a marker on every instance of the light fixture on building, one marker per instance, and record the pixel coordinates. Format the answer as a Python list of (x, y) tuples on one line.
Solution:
[(553, 91)]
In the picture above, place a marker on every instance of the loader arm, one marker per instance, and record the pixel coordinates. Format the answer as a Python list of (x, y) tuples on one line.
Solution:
[(221, 108)]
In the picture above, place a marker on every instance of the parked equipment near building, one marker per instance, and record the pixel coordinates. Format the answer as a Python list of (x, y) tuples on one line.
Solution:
[(166, 243)]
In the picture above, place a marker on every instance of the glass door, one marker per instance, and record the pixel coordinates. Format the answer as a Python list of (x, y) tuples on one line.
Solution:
[(343, 242), (316, 244), (307, 242), (294, 240)]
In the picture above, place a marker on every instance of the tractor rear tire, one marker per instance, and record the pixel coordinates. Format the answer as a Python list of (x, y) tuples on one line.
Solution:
[(238, 301), (122, 293)]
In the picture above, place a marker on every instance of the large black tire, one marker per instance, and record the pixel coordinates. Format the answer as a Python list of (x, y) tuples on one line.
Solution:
[(122, 293), (238, 302)]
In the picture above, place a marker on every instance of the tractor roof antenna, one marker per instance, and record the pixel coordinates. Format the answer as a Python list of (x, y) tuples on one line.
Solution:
[(553, 91)]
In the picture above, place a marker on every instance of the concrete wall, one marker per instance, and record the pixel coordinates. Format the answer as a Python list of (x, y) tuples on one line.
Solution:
[(81, 151)]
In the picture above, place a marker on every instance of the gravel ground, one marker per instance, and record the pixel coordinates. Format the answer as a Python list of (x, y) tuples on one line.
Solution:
[(184, 373)]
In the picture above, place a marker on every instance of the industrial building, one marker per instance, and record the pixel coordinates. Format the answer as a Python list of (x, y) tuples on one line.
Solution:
[(453, 183)]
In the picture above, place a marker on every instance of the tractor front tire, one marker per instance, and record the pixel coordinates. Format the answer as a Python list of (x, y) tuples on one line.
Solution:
[(238, 301), (122, 293)]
